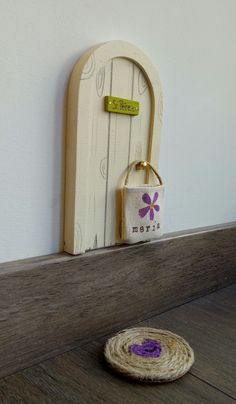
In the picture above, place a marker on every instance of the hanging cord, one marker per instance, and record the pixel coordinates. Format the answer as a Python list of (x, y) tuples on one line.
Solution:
[(141, 164)]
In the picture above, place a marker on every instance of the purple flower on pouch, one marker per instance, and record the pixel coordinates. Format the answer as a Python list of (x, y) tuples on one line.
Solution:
[(152, 206), (149, 348)]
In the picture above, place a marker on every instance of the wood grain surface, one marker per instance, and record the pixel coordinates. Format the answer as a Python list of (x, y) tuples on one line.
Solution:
[(209, 325), (47, 305), (81, 375), (101, 145)]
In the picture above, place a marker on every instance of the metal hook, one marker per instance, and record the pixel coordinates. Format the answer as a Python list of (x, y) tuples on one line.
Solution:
[(141, 165)]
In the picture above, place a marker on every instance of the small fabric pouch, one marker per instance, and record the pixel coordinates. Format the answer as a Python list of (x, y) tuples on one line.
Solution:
[(142, 209)]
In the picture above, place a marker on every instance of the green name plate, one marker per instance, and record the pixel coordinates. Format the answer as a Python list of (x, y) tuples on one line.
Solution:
[(121, 105)]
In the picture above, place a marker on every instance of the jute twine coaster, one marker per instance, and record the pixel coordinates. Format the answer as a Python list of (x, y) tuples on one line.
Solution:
[(149, 354)]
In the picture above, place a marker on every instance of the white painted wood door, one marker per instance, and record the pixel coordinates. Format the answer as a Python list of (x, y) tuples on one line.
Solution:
[(101, 145)]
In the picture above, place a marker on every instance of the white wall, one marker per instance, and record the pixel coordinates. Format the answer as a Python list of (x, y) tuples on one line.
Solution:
[(192, 43)]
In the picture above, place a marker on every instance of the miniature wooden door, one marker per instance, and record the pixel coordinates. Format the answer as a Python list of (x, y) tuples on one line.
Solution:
[(101, 145)]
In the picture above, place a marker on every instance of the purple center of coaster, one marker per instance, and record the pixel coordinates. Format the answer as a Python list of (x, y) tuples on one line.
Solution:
[(148, 348)]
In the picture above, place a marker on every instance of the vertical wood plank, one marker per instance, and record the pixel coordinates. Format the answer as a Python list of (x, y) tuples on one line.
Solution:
[(77, 149), (119, 143), (139, 136), (97, 174)]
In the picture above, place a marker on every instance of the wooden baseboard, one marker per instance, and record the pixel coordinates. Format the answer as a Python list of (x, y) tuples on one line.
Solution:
[(48, 304)]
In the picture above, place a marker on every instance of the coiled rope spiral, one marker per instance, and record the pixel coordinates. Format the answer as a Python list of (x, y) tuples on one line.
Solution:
[(176, 356)]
